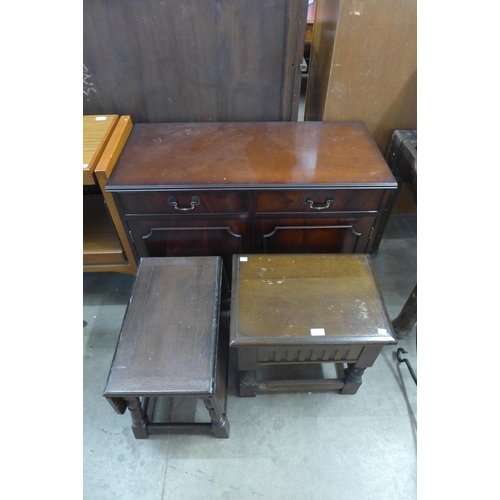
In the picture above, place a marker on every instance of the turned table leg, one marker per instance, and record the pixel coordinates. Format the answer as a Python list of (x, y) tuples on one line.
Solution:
[(220, 424), (353, 380), (139, 419)]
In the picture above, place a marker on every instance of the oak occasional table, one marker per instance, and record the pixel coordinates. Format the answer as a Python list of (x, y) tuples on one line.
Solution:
[(170, 345), (309, 308)]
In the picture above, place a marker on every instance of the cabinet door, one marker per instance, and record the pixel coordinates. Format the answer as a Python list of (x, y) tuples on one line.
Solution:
[(181, 238), (348, 235)]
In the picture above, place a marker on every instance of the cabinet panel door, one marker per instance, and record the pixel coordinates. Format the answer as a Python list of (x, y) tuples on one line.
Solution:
[(349, 235), (180, 238)]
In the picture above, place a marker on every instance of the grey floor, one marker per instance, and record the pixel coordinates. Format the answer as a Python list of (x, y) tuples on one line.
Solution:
[(283, 446)]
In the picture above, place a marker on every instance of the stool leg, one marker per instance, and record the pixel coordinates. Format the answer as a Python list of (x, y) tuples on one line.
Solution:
[(247, 366), (248, 384), (139, 419), (220, 424), (353, 380)]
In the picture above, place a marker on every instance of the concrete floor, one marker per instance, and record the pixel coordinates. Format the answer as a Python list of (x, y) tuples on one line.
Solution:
[(285, 446)]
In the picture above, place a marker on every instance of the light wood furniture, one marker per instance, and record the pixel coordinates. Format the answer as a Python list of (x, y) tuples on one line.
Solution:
[(364, 65), (170, 345), (97, 131), (303, 309), (226, 188), (105, 244), (311, 14)]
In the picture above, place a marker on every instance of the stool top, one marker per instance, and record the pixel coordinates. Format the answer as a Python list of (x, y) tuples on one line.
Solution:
[(168, 341), (307, 299)]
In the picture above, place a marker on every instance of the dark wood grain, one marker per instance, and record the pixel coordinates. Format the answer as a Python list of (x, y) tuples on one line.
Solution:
[(170, 345), (192, 237), (281, 297), (242, 155), (352, 200), (210, 202), (168, 341), (251, 182), (195, 60), (319, 235), (296, 309)]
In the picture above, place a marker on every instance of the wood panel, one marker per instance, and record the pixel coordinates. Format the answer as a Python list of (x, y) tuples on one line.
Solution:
[(277, 299), (101, 244), (239, 155), (364, 65), (224, 188), (323, 38), (97, 131), (318, 235), (195, 60), (169, 333), (192, 238), (105, 244)]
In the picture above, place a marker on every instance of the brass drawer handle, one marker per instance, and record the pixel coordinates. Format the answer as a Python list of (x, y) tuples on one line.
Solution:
[(194, 201), (310, 201)]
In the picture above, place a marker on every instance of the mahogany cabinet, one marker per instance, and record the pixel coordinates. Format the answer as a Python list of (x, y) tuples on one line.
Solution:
[(198, 189)]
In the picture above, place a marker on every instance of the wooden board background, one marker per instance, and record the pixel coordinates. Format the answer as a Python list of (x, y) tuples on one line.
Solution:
[(364, 65), (193, 60)]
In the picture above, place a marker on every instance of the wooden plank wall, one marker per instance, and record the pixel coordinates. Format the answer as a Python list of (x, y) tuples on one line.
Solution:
[(193, 60)]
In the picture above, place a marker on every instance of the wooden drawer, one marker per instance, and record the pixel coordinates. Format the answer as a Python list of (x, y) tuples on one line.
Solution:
[(187, 202), (319, 201), (309, 354)]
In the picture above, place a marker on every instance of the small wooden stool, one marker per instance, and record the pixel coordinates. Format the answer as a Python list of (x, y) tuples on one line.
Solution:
[(169, 345), (297, 309)]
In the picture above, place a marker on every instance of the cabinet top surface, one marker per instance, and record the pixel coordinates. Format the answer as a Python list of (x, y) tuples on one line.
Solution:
[(242, 155)]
